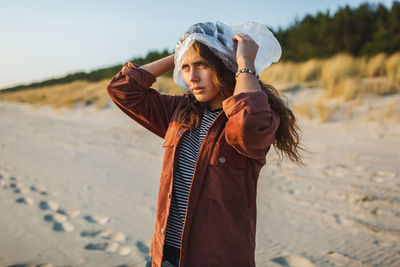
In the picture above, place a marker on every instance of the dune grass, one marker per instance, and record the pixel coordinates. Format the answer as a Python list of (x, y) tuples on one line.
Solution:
[(78, 93), (340, 76), (66, 95)]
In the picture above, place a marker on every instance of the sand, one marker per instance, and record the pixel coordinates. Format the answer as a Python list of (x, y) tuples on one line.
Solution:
[(79, 188)]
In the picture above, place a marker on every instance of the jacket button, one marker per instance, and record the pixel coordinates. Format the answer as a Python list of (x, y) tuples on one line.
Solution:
[(222, 159), (180, 132), (162, 231), (169, 195)]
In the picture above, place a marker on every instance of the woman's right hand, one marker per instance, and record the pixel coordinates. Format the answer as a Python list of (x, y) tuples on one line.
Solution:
[(246, 51)]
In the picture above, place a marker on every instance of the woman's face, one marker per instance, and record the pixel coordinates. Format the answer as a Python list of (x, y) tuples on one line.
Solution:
[(198, 77)]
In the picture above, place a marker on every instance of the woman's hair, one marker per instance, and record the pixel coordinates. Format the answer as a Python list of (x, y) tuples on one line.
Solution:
[(287, 137)]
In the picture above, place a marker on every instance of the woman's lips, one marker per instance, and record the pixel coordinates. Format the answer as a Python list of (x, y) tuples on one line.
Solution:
[(197, 90)]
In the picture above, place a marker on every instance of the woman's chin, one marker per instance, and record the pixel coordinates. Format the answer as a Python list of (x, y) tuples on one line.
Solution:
[(201, 98)]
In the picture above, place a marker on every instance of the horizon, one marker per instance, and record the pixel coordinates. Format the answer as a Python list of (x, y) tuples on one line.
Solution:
[(47, 42)]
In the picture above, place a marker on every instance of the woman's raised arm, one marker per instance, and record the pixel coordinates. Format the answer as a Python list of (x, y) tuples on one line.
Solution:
[(130, 91), (252, 124), (160, 66)]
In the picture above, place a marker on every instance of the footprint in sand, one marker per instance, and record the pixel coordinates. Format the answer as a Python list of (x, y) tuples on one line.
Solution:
[(48, 193), (97, 219), (61, 223), (63, 227), (336, 259), (96, 246), (292, 260), (142, 247), (49, 205), (4, 174), (38, 188), (16, 185), (115, 236), (114, 246), (21, 190), (25, 200), (124, 250), (118, 237), (89, 233), (71, 213), (56, 217), (42, 190), (111, 247)]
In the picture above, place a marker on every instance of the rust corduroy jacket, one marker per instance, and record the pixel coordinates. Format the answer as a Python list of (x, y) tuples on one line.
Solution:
[(220, 223)]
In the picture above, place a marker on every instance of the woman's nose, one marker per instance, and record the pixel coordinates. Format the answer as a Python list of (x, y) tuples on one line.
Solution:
[(193, 75)]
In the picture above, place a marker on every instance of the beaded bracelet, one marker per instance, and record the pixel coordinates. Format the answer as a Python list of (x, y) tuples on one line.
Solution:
[(247, 71)]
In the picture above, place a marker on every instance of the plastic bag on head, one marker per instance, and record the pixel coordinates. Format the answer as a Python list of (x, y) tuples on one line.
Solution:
[(218, 37)]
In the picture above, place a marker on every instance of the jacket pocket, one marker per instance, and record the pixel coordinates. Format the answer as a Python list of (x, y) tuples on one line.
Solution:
[(226, 174), (223, 183)]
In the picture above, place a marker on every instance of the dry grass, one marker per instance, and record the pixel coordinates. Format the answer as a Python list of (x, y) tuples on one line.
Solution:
[(390, 109), (338, 70), (77, 93), (353, 106), (376, 66), (303, 109), (66, 95), (341, 76), (324, 113), (386, 112), (281, 74), (393, 72), (167, 85), (349, 89), (310, 70)]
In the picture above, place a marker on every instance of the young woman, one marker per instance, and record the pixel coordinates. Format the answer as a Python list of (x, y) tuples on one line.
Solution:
[(216, 137)]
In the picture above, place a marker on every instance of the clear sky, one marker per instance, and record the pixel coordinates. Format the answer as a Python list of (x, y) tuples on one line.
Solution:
[(45, 39)]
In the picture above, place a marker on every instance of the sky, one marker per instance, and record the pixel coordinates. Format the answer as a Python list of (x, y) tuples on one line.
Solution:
[(46, 39)]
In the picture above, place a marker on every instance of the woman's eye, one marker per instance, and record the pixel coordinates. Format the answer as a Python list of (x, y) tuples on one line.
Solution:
[(185, 67)]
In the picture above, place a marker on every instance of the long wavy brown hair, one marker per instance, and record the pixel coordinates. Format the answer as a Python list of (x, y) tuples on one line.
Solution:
[(287, 137)]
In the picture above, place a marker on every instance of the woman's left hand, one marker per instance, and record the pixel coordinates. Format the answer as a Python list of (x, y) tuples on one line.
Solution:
[(246, 50)]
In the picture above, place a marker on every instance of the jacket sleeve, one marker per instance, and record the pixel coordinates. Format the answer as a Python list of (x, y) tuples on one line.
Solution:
[(251, 124), (130, 91)]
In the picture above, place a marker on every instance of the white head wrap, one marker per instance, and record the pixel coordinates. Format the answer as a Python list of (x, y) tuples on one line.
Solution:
[(218, 37)]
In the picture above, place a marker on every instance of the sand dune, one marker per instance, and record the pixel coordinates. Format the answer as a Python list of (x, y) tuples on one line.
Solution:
[(79, 188)]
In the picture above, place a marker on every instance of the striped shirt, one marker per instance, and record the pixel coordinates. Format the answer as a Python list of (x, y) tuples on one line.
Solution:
[(187, 157)]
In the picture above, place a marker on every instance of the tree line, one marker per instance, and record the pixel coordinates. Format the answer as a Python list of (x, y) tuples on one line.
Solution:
[(366, 30), (363, 31), (93, 76)]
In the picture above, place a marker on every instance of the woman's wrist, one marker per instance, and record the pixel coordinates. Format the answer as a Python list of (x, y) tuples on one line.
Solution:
[(246, 65), (248, 71)]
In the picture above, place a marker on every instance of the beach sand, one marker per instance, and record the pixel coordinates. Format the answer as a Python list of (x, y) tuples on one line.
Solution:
[(79, 188)]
